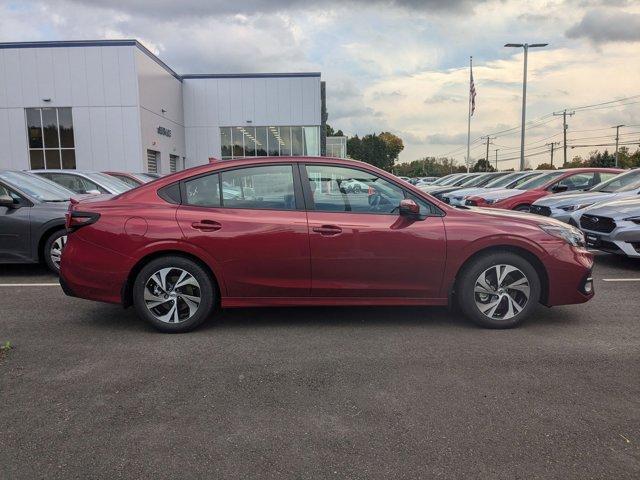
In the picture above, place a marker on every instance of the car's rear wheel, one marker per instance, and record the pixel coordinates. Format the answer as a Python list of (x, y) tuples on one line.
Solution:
[(174, 294), (498, 290), (53, 249)]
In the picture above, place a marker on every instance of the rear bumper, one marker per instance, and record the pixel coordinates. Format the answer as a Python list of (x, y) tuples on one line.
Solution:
[(92, 272)]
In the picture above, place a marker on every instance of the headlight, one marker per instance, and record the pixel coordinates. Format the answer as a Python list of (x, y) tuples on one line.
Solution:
[(573, 208), (632, 219), (569, 234)]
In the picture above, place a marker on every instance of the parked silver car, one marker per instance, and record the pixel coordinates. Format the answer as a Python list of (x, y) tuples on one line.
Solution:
[(511, 180), (565, 205), (83, 182), (613, 226)]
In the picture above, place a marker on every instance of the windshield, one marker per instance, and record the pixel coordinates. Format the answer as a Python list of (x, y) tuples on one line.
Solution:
[(446, 180), (477, 181), (465, 181), (503, 180), (145, 177), (37, 187), (538, 182), (525, 179), (113, 184), (620, 183)]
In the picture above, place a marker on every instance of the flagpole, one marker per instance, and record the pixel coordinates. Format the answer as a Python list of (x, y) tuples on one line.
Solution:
[(469, 116)]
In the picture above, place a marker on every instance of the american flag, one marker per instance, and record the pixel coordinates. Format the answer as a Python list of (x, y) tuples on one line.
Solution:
[(472, 93)]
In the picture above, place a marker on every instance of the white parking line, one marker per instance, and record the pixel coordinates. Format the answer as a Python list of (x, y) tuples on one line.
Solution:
[(29, 284), (621, 279)]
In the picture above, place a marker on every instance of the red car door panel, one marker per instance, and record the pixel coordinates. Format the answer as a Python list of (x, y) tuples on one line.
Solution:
[(368, 255), (263, 253)]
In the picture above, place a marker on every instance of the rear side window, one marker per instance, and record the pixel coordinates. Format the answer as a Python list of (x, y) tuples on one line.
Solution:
[(170, 193), (203, 191)]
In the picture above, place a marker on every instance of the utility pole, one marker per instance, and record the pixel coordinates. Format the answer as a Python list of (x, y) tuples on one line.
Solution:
[(486, 157), (525, 47), (617, 127), (552, 145), (564, 129), (497, 159)]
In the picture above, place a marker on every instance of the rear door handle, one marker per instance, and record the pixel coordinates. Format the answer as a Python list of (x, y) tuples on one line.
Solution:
[(206, 225), (328, 230)]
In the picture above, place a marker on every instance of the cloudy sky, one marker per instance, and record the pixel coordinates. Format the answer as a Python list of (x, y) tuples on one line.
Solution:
[(397, 65)]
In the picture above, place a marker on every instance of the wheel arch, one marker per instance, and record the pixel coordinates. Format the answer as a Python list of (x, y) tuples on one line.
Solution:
[(527, 254), (45, 232), (126, 292)]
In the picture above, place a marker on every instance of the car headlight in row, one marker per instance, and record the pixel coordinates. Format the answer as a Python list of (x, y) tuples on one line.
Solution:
[(573, 208), (569, 234), (491, 201)]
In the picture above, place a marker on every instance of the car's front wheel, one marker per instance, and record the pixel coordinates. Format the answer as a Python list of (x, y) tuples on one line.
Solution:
[(174, 294), (498, 290), (53, 249)]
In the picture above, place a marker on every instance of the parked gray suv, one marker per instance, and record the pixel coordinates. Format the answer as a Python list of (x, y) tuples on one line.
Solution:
[(613, 226), (32, 219)]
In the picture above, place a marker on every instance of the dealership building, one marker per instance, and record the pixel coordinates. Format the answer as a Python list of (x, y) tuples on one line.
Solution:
[(114, 105)]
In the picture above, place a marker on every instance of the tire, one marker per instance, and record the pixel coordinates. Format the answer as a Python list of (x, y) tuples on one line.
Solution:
[(53, 249), (512, 306), (523, 208), (165, 293)]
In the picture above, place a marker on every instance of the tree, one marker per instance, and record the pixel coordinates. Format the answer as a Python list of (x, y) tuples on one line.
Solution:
[(545, 166), (482, 166), (379, 150), (428, 167), (331, 132), (394, 145)]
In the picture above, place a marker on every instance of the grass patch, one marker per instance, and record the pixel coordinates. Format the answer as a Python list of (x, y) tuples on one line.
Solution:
[(5, 348)]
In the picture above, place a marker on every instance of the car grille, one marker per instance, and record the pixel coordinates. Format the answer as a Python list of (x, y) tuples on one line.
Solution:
[(540, 210), (597, 224), (471, 203)]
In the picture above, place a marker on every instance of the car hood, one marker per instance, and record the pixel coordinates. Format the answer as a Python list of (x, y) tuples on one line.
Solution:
[(575, 198), (501, 193), (616, 209)]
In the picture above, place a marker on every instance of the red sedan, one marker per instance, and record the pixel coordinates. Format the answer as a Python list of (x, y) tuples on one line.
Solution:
[(286, 232), (521, 199)]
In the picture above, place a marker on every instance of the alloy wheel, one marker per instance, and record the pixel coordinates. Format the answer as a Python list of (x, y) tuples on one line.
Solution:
[(502, 291), (56, 250), (172, 295)]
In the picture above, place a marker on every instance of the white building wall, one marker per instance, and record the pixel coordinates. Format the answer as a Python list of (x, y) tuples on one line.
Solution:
[(158, 91), (99, 83), (212, 102)]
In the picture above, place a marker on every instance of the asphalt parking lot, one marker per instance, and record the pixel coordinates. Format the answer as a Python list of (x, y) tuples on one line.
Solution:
[(89, 391)]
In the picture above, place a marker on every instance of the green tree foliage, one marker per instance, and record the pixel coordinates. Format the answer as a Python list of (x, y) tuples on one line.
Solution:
[(626, 159), (331, 132), (428, 167), (379, 150), (545, 166), (483, 166)]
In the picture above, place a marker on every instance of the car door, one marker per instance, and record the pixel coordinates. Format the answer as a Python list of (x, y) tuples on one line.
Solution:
[(361, 246), (15, 230), (252, 221)]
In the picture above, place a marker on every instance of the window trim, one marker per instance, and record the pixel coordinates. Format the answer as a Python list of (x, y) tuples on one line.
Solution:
[(310, 203), (297, 187)]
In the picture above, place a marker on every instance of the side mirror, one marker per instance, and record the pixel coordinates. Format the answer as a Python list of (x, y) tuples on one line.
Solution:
[(409, 208), (559, 188), (7, 201)]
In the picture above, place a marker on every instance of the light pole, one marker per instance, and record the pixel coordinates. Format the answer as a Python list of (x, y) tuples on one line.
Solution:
[(617, 127), (525, 47)]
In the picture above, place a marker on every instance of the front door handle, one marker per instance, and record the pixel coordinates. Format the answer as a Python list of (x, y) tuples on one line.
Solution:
[(328, 230), (206, 225)]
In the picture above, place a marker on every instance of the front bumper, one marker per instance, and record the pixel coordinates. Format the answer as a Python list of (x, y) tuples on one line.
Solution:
[(569, 271), (623, 240)]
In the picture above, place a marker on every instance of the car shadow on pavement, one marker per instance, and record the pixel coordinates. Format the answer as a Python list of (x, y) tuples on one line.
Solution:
[(618, 262)]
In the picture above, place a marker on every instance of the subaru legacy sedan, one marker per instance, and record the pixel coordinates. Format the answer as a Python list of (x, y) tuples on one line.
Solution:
[(178, 248)]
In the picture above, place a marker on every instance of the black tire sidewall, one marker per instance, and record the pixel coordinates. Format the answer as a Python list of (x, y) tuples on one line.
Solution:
[(466, 284), (208, 293), (46, 253)]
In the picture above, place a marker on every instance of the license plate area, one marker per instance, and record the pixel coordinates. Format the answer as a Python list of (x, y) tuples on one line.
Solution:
[(593, 240)]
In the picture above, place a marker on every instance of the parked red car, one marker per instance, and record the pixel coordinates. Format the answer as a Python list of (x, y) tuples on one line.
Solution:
[(521, 199), (284, 232)]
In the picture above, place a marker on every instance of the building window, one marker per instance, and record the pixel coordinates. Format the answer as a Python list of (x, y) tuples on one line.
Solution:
[(50, 136), (174, 163), (236, 142)]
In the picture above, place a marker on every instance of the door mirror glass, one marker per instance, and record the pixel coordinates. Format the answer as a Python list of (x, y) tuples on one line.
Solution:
[(409, 208)]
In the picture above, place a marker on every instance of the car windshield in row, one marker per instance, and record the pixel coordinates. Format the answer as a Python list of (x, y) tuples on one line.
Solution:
[(39, 188), (541, 180), (621, 183), (113, 184)]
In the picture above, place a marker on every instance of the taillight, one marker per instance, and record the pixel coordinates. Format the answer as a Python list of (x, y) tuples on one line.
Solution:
[(76, 220)]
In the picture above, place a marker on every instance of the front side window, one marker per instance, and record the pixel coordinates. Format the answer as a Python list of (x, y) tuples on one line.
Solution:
[(50, 137), (579, 181), (284, 141), (341, 189)]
